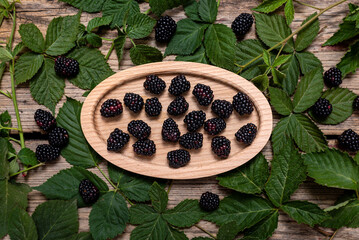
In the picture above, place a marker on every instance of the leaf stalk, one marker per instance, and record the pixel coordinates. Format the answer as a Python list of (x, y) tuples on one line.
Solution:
[(205, 231), (27, 169)]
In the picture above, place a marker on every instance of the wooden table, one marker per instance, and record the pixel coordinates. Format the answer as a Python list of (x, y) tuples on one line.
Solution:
[(41, 12)]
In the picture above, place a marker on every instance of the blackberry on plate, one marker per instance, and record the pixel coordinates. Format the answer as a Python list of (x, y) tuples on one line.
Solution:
[(178, 106), (215, 126), (178, 158), (46, 152), (144, 147), (247, 133), (221, 146), (133, 101), (349, 140), (179, 85), (203, 94), (242, 104), (242, 24), (139, 129), (322, 108), (194, 120), (117, 140), (111, 108), (191, 140), (66, 67), (356, 103), (222, 108), (209, 201), (153, 107), (154, 84), (165, 29), (333, 77), (44, 119), (88, 191), (58, 137), (170, 131)]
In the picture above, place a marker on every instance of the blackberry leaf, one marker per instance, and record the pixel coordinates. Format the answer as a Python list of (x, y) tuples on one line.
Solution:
[(269, 6), (98, 22), (228, 231), (350, 62), (198, 56), (264, 229), (280, 101), (119, 11), (347, 30), (140, 26), (343, 216), (159, 197), (292, 71), (155, 229), (21, 225), (289, 11), (142, 54), (308, 62), (307, 35), (86, 5), (119, 46), (32, 37), (27, 157), (27, 66), (160, 6), (4, 163), (191, 10), (207, 10)]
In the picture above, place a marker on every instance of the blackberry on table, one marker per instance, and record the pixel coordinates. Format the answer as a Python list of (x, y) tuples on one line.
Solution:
[(191, 140), (178, 158), (133, 101), (247, 133), (179, 85), (111, 108), (165, 29), (242, 104), (349, 140), (242, 24), (170, 130), (117, 140), (178, 106), (322, 108), (333, 77), (154, 84), (215, 126), (44, 120), (203, 94), (221, 146), (58, 137), (222, 108), (139, 129), (66, 67), (356, 103), (194, 120), (88, 191), (144, 147), (153, 107), (209, 201), (46, 152)]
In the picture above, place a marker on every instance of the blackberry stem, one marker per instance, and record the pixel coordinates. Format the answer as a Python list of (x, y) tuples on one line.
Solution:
[(108, 39), (169, 187), (134, 44), (205, 231), (14, 140), (325, 233), (148, 11), (110, 51), (308, 5), (332, 237), (27, 169), (357, 193), (6, 94)]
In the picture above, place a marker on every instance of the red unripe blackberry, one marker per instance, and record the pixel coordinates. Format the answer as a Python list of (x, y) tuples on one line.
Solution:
[(247, 133), (194, 120), (214, 126), (133, 101), (170, 130), (209, 201), (221, 146), (178, 158), (153, 107), (242, 104), (44, 120), (117, 140), (46, 152), (178, 106), (139, 129), (111, 108), (165, 29), (179, 85), (154, 84), (356, 103), (222, 108), (242, 24), (58, 137), (333, 77), (191, 140), (144, 147), (88, 191), (203, 94), (349, 140), (66, 67), (322, 108)]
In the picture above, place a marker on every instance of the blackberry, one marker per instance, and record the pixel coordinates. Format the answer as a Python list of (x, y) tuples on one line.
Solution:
[(349, 140), (221, 146), (144, 147), (222, 108), (66, 67), (333, 77), (191, 140), (139, 129), (44, 120), (154, 84), (194, 120), (170, 131), (88, 191), (178, 158), (117, 140), (133, 101), (153, 107), (356, 103), (322, 108), (165, 29), (203, 94), (179, 85), (209, 201), (247, 133), (242, 24), (58, 137), (242, 104), (46, 152), (178, 106), (111, 108), (215, 126)]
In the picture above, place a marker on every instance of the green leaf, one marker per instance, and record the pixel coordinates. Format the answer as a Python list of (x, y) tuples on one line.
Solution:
[(94, 39), (140, 25), (307, 35), (267, 58), (264, 229), (56, 219), (354, 14), (345, 216), (308, 91), (4, 163), (308, 62), (27, 157), (158, 197), (86, 5), (84, 236), (2, 69), (77, 152), (350, 62), (152, 230), (14, 166), (207, 10), (356, 158), (5, 121), (5, 55), (289, 11), (98, 22), (46, 87), (281, 60), (18, 48), (119, 44), (277, 77), (109, 216), (198, 56), (347, 30), (281, 133), (142, 54), (246, 51), (261, 82), (141, 213), (27, 66), (227, 231), (32, 37), (280, 101), (269, 6), (119, 10), (201, 238), (174, 234), (159, 6), (21, 226), (191, 10), (249, 178), (220, 43), (292, 72), (333, 168), (65, 185)]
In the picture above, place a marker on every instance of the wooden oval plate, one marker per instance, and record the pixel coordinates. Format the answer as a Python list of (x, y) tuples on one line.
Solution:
[(203, 162)]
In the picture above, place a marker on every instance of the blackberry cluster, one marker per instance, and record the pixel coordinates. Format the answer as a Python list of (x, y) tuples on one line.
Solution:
[(139, 129), (194, 120), (88, 191), (214, 126), (333, 77), (153, 107), (209, 201), (349, 140), (170, 130), (242, 24), (144, 147), (66, 67), (154, 84), (322, 108), (58, 137), (221, 146), (203, 94), (222, 108), (178, 106), (133, 101), (191, 140), (178, 158), (111, 108), (117, 140), (179, 85), (356, 103), (242, 104), (46, 152), (247, 133), (44, 120), (165, 29)]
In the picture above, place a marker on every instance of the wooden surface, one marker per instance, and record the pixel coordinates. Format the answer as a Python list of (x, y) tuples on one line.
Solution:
[(40, 12)]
